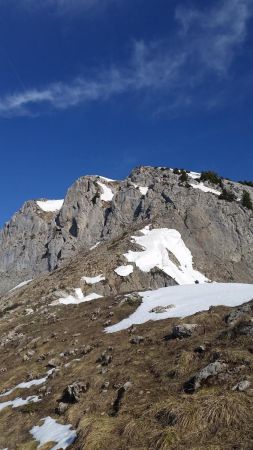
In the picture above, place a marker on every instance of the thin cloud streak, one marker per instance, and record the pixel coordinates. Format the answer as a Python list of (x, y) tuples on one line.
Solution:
[(205, 46), (223, 30)]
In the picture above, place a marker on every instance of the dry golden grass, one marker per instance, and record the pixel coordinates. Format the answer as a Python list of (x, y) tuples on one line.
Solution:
[(97, 433), (204, 416), (209, 419)]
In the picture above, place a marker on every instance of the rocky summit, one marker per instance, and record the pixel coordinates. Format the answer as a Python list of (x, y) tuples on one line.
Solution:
[(126, 315)]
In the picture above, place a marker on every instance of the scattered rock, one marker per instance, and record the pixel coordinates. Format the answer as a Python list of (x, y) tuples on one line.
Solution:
[(161, 309), (212, 370), (120, 394), (245, 328), (182, 331), (54, 362), (104, 359), (61, 408), (127, 386), (242, 386), (105, 385), (136, 339), (237, 314), (72, 392), (200, 349), (86, 349), (132, 329)]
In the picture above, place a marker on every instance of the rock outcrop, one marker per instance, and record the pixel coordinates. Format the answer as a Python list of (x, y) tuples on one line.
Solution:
[(218, 233)]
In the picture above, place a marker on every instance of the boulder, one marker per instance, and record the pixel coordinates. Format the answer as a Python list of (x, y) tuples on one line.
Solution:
[(242, 386), (136, 339), (237, 314), (104, 359), (245, 328), (72, 393), (212, 370), (61, 408), (200, 349), (182, 331), (54, 362)]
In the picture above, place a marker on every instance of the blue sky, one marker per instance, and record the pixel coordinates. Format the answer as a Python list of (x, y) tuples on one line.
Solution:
[(101, 86)]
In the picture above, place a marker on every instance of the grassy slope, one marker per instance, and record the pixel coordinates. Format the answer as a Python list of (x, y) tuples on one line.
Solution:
[(155, 413)]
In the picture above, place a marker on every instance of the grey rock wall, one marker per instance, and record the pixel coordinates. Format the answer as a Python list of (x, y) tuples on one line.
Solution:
[(219, 233)]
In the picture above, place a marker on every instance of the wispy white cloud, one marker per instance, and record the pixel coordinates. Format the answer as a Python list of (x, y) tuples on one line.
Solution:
[(214, 35), (61, 96), (205, 46)]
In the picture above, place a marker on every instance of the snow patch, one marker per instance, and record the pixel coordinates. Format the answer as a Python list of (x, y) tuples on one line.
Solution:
[(20, 285), (185, 301), (204, 188), (124, 271), (95, 246), (194, 175), (143, 189), (156, 246), (28, 384), (50, 205), (107, 195), (51, 431), (107, 179), (19, 402), (77, 298), (93, 280)]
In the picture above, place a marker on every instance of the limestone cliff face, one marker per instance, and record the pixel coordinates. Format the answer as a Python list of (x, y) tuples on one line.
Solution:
[(23, 245), (219, 233)]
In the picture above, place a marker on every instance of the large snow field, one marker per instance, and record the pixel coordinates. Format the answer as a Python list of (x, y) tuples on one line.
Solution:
[(184, 301)]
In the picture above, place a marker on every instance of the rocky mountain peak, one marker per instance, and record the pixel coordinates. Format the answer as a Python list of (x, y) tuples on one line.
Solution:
[(43, 234)]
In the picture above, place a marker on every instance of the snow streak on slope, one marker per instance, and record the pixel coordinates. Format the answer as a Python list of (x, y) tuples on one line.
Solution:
[(95, 246), (184, 301), (194, 175), (107, 195), (20, 402), (156, 246), (50, 205), (204, 188), (107, 179), (77, 298), (93, 280), (20, 285), (51, 431), (28, 384)]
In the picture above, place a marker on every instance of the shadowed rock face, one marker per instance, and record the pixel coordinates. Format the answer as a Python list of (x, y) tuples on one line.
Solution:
[(218, 233)]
